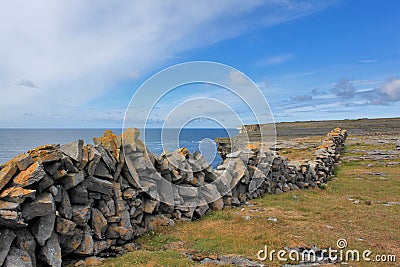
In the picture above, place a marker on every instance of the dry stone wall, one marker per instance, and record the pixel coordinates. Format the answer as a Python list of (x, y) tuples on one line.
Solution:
[(75, 200)]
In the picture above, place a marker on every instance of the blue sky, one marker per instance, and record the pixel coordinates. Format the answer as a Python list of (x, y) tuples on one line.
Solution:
[(78, 64)]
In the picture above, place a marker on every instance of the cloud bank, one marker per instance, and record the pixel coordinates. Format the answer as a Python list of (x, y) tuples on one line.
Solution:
[(79, 51), (388, 92), (343, 97)]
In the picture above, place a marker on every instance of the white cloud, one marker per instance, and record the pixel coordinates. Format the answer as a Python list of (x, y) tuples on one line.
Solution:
[(344, 88), (303, 74), (387, 92), (391, 89), (365, 82), (325, 96), (27, 83), (77, 51), (309, 108), (368, 61), (301, 98), (275, 60)]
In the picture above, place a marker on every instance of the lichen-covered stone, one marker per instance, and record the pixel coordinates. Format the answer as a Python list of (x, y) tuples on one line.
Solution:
[(80, 214), (6, 174), (7, 205), (150, 205), (86, 246), (17, 194), (64, 226), (59, 174), (85, 158), (98, 223), (46, 153), (71, 242), (129, 194), (101, 245), (29, 176), (112, 230), (11, 219), (23, 161), (109, 141)]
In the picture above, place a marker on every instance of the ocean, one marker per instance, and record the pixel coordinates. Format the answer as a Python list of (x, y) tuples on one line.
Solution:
[(16, 141)]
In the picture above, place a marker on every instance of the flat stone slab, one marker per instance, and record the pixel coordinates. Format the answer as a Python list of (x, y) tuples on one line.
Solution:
[(7, 205), (46, 153), (11, 219), (6, 174), (71, 179), (41, 206), (17, 194), (73, 150), (23, 161), (29, 176)]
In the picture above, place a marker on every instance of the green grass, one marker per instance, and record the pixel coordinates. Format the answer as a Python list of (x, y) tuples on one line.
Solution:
[(150, 258), (216, 215), (154, 240)]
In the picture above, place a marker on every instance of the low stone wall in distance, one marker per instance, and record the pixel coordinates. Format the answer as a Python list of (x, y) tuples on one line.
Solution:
[(75, 200)]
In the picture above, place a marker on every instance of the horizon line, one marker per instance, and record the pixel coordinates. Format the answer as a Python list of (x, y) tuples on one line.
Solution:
[(235, 127)]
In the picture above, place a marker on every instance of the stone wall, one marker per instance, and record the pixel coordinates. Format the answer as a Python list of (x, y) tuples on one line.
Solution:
[(75, 200)]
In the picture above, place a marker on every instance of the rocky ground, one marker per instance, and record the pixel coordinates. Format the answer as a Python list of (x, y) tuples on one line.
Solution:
[(360, 127), (298, 135)]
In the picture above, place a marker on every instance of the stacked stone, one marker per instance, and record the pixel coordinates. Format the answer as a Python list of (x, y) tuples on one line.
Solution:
[(268, 172), (75, 200), (328, 153), (69, 201)]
